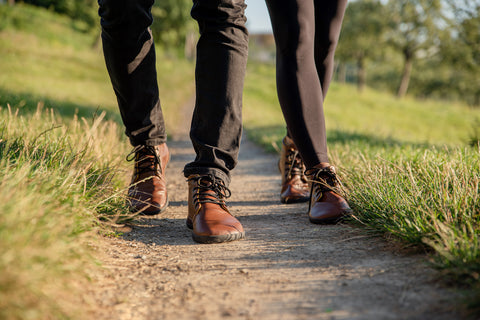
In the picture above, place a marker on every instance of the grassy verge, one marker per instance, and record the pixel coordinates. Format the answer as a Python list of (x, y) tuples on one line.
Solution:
[(62, 159), (56, 183), (409, 167)]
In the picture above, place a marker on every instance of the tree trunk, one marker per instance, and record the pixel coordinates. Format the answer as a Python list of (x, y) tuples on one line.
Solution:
[(362, 74), (407, 70), (11, 2)]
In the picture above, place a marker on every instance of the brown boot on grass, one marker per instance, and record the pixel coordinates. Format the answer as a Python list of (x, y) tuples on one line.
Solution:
[(147, 193), (326, 204)]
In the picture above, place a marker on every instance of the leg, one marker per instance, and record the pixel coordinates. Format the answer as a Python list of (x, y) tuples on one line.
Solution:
[(220, 70), (328, 22), (326, 206), (217, 122), (298, 85), (130, 58), (301, 98)]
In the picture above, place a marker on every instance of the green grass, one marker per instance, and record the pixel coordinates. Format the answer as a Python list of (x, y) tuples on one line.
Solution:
[(370, 116), (55, 181), (409, 167), (44, 59), (62, 159)]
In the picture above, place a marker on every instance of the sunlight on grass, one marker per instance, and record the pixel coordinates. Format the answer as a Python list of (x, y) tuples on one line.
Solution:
[(406, 120), (61, 78), (407, 164), (45, 60), (370, 113), (54, 176), (62, 158)]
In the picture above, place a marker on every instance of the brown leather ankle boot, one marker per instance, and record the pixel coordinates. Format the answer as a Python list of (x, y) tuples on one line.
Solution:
[(326, 205), (208, 215), (147, 193), (294, 182)]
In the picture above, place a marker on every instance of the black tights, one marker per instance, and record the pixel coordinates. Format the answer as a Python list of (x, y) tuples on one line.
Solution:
[(306, 35)]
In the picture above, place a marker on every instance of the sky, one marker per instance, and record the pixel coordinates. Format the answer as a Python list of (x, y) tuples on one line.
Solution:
[(257, 17)]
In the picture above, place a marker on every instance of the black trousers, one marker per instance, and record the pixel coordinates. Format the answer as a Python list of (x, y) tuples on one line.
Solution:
[(306, 34), (222, 52)]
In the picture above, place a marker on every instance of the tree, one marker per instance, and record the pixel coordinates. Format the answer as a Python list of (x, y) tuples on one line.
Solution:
[(415, 26), (463, 51), (79, 10), (172, 23), (363, 28)]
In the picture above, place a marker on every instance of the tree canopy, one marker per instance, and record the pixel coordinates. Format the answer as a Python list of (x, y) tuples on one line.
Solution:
[(420, 47), (425, 47)]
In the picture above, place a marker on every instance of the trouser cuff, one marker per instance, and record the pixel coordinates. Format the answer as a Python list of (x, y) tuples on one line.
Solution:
[(206, 171)]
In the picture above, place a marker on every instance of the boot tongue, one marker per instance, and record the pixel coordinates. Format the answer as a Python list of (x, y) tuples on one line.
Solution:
[(205, 182), (146, 162), (209, 190), (328, 176), (294, 165), (213, 186), (325, 178)]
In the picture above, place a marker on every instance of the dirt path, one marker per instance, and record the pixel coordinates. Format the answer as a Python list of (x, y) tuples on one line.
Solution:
[(287, 268)]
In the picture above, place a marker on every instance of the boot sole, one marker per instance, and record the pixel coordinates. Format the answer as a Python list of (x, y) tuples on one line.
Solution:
[(150, 213), (295, 200), (215, 239), (154, 213), (345, 215), (218, 239)]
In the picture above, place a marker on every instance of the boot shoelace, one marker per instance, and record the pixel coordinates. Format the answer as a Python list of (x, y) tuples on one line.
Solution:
[(202, 192), (294, 164), (322, 180), (146, 160)]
